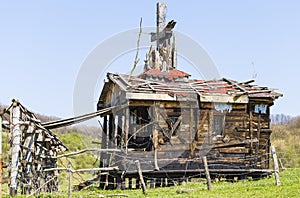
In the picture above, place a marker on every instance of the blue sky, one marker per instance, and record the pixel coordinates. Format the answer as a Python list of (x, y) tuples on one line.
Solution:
[(44, 43)]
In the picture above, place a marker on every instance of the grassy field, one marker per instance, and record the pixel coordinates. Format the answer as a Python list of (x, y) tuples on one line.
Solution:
[(290, 187), (285, 137)]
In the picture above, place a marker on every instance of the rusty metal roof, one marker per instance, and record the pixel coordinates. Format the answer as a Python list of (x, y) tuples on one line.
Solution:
[(167, 75), (156, 82)]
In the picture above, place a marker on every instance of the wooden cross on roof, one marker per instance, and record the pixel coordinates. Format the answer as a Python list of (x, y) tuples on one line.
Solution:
[(163, 31)]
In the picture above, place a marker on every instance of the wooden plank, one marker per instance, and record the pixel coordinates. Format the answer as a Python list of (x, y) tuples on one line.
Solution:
[(16, 134), (149, 96), (208, 180), (234, 150), (276, 167), (141, 179), (156, 114), (126, 130), (191, 124), (210, 126)]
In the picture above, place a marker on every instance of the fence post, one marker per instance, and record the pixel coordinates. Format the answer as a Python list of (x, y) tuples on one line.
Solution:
[(208, 180), (276, 167), (16, 133), (70, 181), (138, 167)]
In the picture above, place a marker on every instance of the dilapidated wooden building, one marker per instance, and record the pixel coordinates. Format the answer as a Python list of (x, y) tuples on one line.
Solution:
[(169, 121)]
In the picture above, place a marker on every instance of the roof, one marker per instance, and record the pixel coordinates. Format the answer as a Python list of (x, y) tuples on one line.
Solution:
[(167, 75), (222, 90)]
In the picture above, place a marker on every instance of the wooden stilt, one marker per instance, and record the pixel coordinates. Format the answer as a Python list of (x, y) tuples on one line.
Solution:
[(157, 182), (152, 184), (130, 183), (137, 183)]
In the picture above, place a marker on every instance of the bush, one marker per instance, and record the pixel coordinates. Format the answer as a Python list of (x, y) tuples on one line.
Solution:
[(286, 139)]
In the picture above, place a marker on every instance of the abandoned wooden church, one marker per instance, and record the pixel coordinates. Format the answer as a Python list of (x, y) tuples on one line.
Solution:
[(169, 121)]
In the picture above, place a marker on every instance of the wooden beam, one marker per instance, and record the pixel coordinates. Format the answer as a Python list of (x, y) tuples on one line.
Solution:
[(234, 150), (149, 96), (251, 134), (156, 116), (276, 167), (208, 180), (113, 168), (138, 167), (210, 126), (160, 20), (16, 134), (191, 123), (120, 130), (126, 130), (87, 150), (198, 133)]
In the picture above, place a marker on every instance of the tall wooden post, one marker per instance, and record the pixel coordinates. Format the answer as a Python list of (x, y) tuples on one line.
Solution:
[(120, 130), (155, 134), (16, 133), (111, 129), (208, 180), (191, 126), (160, 20), (257, 156), (210, 127), (70, 181), (276, 167), (28, 157), (251, 136), (103, 157), (127, 119), (138, 167), (174, 53)]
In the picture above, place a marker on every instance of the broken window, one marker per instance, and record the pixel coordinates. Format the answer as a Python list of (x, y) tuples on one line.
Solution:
[(218, 125), (260, 108), (140, 129), (223, 107), (173, 120)]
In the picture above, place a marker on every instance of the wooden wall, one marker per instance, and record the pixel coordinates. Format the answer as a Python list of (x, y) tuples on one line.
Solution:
[(186, 133)]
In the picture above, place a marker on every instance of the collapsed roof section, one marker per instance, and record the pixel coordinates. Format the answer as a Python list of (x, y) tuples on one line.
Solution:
[(171, 87)]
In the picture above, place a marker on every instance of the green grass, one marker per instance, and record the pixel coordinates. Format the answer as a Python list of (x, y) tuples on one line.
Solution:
[(290, 187), (284, 137)]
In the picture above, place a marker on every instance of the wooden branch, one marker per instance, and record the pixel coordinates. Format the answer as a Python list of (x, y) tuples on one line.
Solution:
[(32, 194), (81, 118), (87, 150), (175, 126), (136, 60), (114, 168), (53, 169), (138, 167), (208, 180)]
